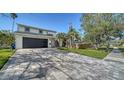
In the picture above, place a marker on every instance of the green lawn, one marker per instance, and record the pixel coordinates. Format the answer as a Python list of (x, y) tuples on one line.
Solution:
[(4, 55), (88, 52)]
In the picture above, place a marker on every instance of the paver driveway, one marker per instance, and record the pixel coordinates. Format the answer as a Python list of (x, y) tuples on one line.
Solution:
[(55, 64)]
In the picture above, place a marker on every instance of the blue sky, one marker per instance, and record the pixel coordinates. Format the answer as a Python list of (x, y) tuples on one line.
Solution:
[(53, 21)]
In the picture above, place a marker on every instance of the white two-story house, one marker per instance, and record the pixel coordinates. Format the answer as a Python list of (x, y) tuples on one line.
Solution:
[(33, 37)]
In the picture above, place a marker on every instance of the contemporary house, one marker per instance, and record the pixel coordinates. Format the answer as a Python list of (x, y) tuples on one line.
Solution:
[(33, 37)]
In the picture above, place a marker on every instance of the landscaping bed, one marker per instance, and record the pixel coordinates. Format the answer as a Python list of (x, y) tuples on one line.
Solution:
[(4, 56), (100, 53)]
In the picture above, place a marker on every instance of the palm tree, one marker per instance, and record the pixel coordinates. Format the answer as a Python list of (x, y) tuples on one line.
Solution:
[(10, 15), (61, 37), (72, 35), (13, 16)]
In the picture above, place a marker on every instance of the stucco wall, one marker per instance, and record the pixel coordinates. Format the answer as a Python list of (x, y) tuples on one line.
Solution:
[(33, 30), (21, 28), (18, 41), (45, 32), (49, 43)]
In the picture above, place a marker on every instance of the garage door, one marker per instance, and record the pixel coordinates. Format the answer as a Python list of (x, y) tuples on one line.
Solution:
[(34, 43)]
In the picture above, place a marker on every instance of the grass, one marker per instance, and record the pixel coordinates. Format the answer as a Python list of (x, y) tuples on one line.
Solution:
[(100, 53), (4, 56)]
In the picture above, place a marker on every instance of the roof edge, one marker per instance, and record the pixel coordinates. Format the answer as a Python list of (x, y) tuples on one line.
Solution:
[(36, 27)]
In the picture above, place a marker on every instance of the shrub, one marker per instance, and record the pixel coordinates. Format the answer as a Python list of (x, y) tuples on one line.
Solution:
[(84, 46)]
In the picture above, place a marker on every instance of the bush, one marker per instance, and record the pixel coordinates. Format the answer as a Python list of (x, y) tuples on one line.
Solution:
[(84, 46), (80, 46)]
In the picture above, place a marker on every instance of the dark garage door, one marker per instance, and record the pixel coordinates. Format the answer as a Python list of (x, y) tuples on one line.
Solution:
[(34, 43)]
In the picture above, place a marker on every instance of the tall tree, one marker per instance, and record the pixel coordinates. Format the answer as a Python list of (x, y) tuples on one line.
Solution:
[(60, 37), (102, 27), (13, 16), (6, 38), (10, 15), (72, 35)]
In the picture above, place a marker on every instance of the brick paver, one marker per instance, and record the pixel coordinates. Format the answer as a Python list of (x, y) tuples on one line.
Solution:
[(53, 64), (115, 55)]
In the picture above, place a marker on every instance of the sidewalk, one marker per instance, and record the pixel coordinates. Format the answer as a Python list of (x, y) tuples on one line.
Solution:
[(115, 55)]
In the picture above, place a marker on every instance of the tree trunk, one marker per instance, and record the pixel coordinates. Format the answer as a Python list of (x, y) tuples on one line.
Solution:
[(70, 43), (108, 43), (95, 46), (108, 47), (13, 25), (60, 43)]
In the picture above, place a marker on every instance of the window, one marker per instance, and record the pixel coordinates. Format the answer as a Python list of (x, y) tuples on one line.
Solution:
[(40, 31), (26, 29)]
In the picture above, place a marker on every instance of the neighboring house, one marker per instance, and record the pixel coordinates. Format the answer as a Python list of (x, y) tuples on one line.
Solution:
[(33, 37)]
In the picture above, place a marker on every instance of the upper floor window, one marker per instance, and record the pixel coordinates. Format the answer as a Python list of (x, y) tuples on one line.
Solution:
[(27, 29), (40, 31)]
